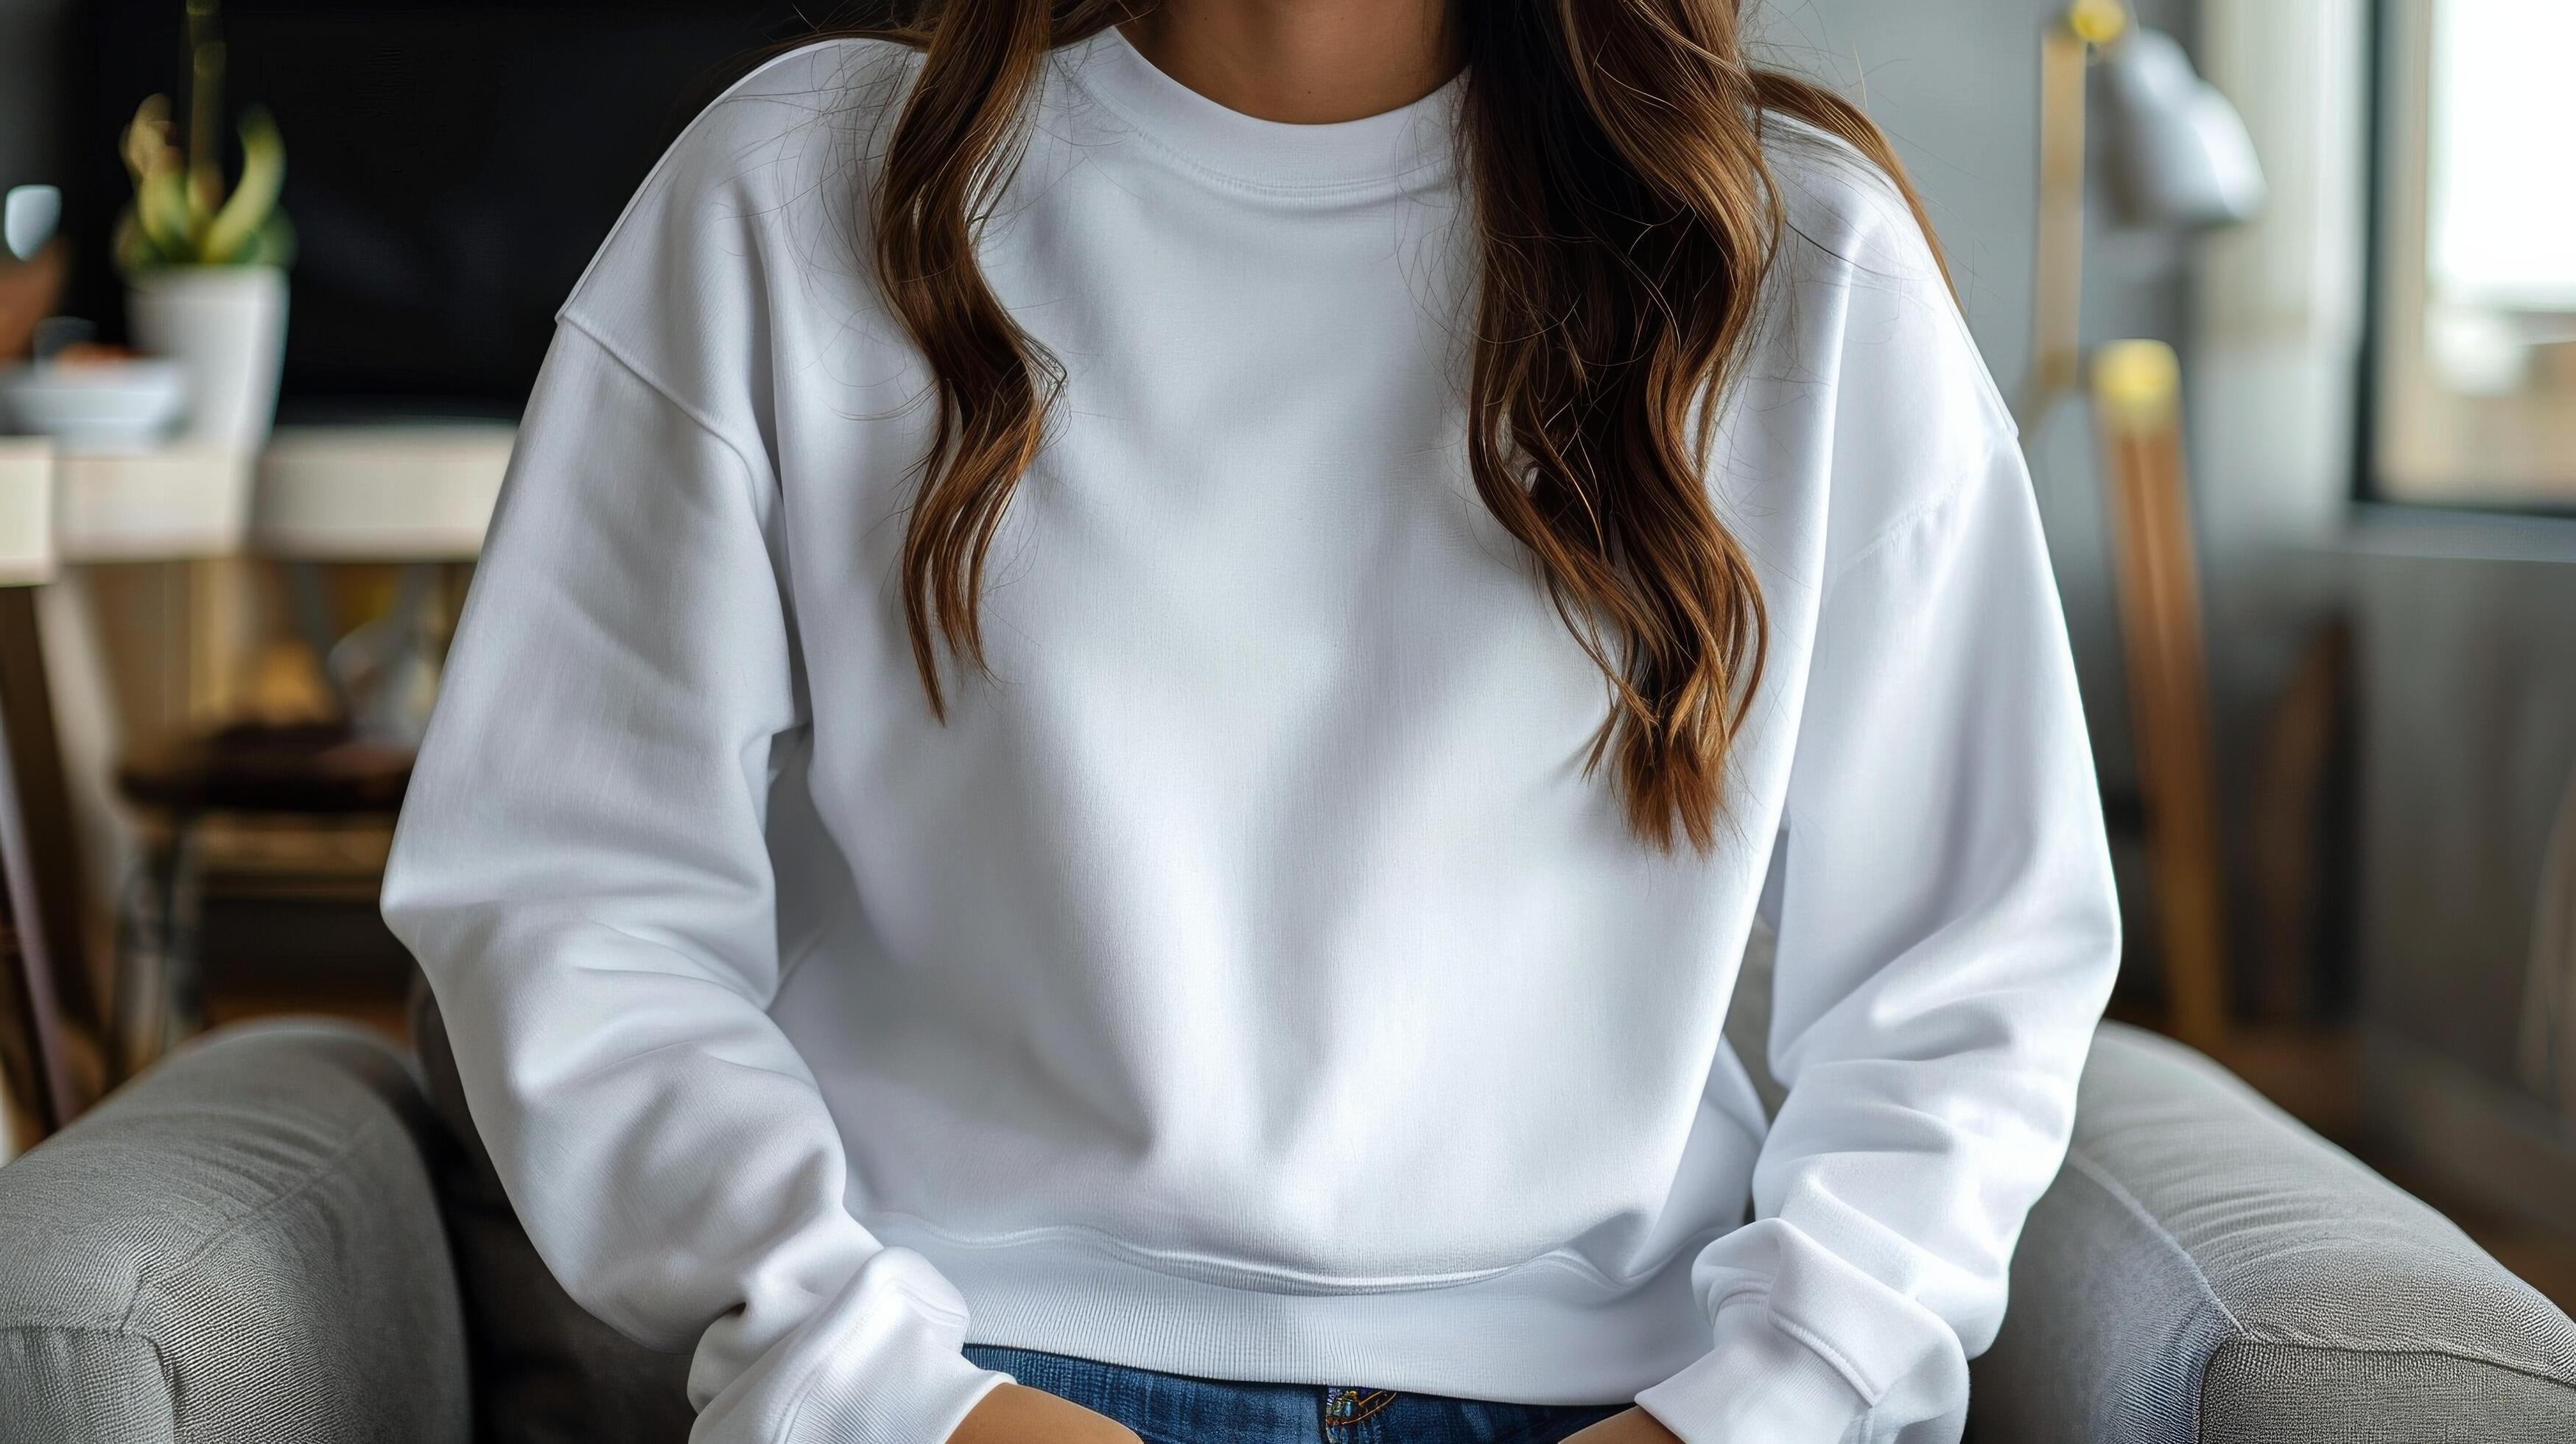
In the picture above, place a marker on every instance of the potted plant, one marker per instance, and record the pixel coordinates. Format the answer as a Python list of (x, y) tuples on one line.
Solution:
[(205, 266)]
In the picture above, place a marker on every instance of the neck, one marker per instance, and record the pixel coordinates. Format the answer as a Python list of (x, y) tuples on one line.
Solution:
[(1305, 62)]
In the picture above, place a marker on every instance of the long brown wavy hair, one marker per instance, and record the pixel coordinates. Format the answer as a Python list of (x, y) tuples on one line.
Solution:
[(1613, 149)]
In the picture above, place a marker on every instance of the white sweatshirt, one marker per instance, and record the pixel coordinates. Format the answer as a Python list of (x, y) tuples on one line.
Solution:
[(1247, 981)]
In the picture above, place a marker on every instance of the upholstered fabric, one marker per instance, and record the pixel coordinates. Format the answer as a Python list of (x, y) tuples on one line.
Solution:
[(242, 1247), (2205, 1269)]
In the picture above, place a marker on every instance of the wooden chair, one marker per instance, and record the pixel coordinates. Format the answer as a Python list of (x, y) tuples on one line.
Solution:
[(302, 770)]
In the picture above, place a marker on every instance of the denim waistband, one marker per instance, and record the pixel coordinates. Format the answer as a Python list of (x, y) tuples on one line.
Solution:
[(1176, 1409)]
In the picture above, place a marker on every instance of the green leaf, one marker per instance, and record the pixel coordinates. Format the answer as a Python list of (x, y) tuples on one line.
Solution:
[(271, 245), (161, 209), (146, 143), (159, 217), (132, 249), (254, 200)]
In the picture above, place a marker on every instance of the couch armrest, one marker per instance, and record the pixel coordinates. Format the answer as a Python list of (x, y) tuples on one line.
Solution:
[(241, 1244), (2206, 1269)]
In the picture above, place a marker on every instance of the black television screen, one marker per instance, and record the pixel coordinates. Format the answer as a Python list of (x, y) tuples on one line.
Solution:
[(450, 169)]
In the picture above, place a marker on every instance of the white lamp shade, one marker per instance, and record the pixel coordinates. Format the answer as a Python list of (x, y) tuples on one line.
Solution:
[(28, 218), (2179, 153)]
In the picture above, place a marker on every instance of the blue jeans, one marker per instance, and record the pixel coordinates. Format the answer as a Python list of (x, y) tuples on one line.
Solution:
[(1171, 1409)]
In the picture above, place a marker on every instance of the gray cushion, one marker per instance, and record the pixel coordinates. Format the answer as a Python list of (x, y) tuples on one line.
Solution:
[(545, 1371), (2207, 1269), (240, 1246)]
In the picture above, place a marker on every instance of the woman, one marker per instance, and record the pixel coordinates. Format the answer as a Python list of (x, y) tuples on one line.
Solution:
[(1134, 694)]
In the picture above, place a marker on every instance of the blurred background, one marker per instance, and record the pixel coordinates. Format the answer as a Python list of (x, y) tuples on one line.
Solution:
[(2285, 291)]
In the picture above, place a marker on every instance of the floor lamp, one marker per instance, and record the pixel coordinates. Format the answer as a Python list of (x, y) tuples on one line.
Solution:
[(2178, 158)]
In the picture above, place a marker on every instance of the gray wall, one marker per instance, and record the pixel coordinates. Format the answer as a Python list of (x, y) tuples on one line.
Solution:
[(2468, 727), (2469, 707)]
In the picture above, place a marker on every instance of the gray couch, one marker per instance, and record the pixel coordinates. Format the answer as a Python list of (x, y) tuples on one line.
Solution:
[(276, 1236)]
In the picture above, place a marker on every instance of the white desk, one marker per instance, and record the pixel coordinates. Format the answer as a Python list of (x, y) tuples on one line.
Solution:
[(373, 493), (26, 511), (378, 493)]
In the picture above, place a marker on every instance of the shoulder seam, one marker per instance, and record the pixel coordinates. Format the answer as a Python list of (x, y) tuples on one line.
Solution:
[(753, 471), (1916, 516)]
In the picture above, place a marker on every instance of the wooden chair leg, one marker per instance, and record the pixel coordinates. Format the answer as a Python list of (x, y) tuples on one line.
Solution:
[(159, 996), (50, 990), (35, 758)]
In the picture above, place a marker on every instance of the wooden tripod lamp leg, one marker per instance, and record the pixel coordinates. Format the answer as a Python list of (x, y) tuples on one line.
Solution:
[(2137, 406)]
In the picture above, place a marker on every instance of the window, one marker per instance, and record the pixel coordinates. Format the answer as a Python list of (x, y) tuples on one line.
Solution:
[(2473, 383)]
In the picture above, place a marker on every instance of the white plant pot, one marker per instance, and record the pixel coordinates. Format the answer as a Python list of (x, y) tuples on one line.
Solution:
[(226, 325)]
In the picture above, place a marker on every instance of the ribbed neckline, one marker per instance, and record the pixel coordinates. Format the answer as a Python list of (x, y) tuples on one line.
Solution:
[(1409, 143)]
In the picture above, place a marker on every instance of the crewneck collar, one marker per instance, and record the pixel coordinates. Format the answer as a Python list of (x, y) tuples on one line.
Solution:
[(1410, 144)]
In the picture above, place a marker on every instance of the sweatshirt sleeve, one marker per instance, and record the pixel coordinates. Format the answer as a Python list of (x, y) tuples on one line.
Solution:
[(1947, 938), (582, 871)]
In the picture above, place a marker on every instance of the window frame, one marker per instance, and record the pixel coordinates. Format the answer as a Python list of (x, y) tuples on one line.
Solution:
[(2397, 160)]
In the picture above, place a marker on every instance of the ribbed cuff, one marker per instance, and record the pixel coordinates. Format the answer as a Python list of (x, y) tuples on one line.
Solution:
[(908, 1385), (1758, 1383), (882, 1364)]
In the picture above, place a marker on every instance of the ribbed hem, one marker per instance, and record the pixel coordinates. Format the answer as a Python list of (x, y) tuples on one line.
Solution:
[(1548, 1332), (1758, 1383)]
